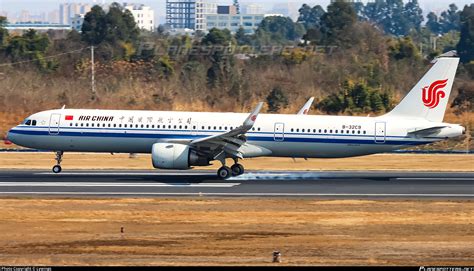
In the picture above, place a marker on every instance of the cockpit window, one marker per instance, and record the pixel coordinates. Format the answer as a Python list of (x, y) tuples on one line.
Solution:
[(28, 122), (33, 123)]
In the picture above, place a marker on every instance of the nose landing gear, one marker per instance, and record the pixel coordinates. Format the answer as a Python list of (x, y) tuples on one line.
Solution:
[(59, 158)]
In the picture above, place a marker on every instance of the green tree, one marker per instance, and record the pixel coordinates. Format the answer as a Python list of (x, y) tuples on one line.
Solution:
[(355, 98), (30, 46), (276, 100), (433, 23), (393, 16), (450, 19), (116, 28), (338, 23), (376, 102), (3, 32), (404, 48), (310, 17), (414, 15), (278, 30), (241, 37), (94, 28), (465, 46), (218, 37), (120, 25), (222, 62)]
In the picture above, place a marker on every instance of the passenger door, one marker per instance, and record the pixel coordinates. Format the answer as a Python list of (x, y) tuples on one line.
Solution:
[(380, 132), (54, 124), (279, 132)]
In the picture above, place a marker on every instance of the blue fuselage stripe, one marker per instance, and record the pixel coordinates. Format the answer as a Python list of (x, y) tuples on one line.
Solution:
[(251, 136)]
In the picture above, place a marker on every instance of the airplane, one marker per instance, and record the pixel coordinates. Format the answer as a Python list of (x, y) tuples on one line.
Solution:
[(183, 140), (306, 107)]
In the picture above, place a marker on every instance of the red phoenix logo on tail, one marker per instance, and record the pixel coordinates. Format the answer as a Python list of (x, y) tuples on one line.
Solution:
[(434, 93)]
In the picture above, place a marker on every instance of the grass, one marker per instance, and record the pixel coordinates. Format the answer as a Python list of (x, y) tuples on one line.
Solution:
[(215, 231)]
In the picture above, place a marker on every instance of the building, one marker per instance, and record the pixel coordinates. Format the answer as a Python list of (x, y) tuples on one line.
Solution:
[(20, 28), (189, 14), (232, 10), (253, 9), (233, 22), (144, 16), (77, 21), (68, 10)]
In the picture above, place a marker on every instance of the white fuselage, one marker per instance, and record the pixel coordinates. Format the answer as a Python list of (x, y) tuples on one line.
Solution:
[(307, 136)]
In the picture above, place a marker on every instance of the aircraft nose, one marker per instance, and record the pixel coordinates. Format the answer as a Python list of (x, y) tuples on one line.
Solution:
[(10, 137)]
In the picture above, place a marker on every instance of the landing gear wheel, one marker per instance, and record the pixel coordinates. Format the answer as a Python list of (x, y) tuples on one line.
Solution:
[(57, 169), (224, 173), (237, 169), (59, 158)]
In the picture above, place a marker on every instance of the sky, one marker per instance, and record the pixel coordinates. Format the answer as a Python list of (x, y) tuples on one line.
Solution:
[(38, 6)]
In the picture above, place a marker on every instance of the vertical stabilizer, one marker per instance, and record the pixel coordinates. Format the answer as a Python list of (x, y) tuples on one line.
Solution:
[(429, 98)]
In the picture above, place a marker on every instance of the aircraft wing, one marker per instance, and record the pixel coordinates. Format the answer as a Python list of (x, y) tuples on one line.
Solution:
[(227, 144), (421, 132), (307, 106)]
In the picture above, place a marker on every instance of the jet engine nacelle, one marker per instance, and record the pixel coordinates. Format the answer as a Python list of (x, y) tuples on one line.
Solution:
[(175, 156)]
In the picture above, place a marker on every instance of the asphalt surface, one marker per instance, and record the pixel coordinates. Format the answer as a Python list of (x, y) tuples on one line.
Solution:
[(326, 184)]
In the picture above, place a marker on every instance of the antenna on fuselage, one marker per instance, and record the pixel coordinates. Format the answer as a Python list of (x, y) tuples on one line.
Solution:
[(64, 106)]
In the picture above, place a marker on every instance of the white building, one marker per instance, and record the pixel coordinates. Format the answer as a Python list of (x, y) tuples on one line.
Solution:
[(68, 10), (233, 22), (252, 9), (77, 21), (144, 16), (203, 9), (189, 14)]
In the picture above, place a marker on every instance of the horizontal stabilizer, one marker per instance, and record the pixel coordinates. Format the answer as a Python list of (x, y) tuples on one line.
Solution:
[(422, 132)]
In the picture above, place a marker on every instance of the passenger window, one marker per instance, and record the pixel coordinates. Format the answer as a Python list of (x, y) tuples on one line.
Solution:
[(87, 124), (115, 125), (180, 127), (330, 131), (337, 131), (120, 125), (77, 124), (147, 126), (153, 126), (365, 132), (292, 130), (259, 129), (353, 131), (325, 131), (348, 132), (70, 124), (358, 132), (319, 130), (298, 130), (82, 124)]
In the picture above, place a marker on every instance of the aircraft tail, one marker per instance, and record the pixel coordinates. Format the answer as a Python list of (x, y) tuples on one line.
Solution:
[(429, 98)]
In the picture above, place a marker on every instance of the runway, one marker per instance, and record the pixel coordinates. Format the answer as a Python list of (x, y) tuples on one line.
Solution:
[(354, 184)]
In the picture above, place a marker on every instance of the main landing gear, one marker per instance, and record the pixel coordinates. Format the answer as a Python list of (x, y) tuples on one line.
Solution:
[(59, 157), (235, 170)]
